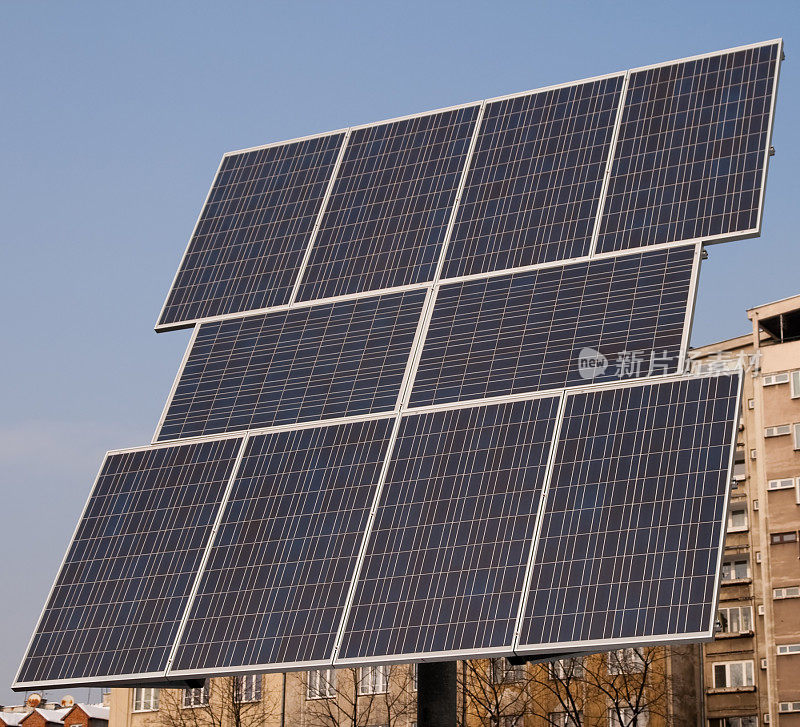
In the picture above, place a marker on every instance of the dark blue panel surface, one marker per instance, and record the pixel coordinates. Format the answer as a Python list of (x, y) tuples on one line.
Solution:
[(293, 366), (124, 586), (528, 331), (690, 156), (534, 182), (393, 196), (446, 560), (633, 523), (274, 587), (253, 231)]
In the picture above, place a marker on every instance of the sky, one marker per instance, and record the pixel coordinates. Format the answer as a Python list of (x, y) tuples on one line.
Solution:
[(115, 116)]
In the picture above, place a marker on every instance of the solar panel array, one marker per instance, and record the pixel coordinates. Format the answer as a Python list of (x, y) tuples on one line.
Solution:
[(434, 405)]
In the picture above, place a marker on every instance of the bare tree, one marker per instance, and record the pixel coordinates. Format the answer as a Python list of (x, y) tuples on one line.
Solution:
[(493, 692), (336, 698)]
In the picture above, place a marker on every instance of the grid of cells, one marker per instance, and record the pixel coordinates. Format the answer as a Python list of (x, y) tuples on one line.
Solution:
[(446, 559), (533, 187), (392, 199), (300, 365), (690, 156), (246, 251), (274, 587), (632, 528), (554, 327), (120, 595)]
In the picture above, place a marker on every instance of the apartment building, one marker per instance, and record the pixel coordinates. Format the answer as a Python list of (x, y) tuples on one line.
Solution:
[(752, 670)]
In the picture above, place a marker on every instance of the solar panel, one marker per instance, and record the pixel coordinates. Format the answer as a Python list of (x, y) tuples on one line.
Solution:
[(246, 250), (526, 331), (386, 219), (534, 183), (632, 535), (321, 362), (446, 560), (120, 594), (691, 157), (274, 587)]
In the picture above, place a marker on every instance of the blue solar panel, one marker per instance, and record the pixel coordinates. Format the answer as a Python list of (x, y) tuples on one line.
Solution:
[(633, 525), (121, 592), (246, 251), (446, 560), (690, 159), (274, 587), (293, 366), (385, 222), (534, 182), (527, 331)]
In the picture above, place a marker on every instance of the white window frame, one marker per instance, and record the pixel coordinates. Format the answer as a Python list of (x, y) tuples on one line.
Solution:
[(501, 671), (787, 483), (747, 672), (741, 615), (625, 661), (564, 719), (780, 430), (145, 699), (321, 684), (736, 721), (642, 717), (249, 688), (779, 593), (772, 537), (795, 379), (512, 720), (736, 559), (774, 379), (195, 697), (796, 435), (788, 649), (785, 707), (571, 667), (732, 528), (373, 679)]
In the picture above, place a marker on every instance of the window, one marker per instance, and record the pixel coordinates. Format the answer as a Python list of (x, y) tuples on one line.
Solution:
[(750, 721), (778, 538), (739, 472), (737, 520), (627, 717), (567, 668), (797, 436), (565, 719), (145, 700), (790, 592), (773, 379), (785, 484), (784, 649), (321, 684), (751, 403), (248, 688), (503, 672), (736, 568), (736, 620), (625, 661), (733, 674), (511, 721), (789, 706), (795, 384), (197, 697), (414, 676), (373, 679), (753, 454), (779, 431)]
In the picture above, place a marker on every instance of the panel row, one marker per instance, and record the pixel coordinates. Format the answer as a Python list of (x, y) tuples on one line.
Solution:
[(689, 163), (509, 334), (631, 534)]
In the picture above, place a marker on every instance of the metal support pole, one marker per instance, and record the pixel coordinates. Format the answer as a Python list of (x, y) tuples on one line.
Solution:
[(437, 687)]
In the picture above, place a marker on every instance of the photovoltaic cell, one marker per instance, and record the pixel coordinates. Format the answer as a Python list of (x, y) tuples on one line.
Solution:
[(690, 156), (632, 528), (533, 187), (122, 590), (386, 218), (530, 331), (446, 560), (300, 365), (275, 584), (253, 231)]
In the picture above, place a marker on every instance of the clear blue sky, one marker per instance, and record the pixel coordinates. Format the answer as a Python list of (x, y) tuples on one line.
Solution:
[(114, 118)]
